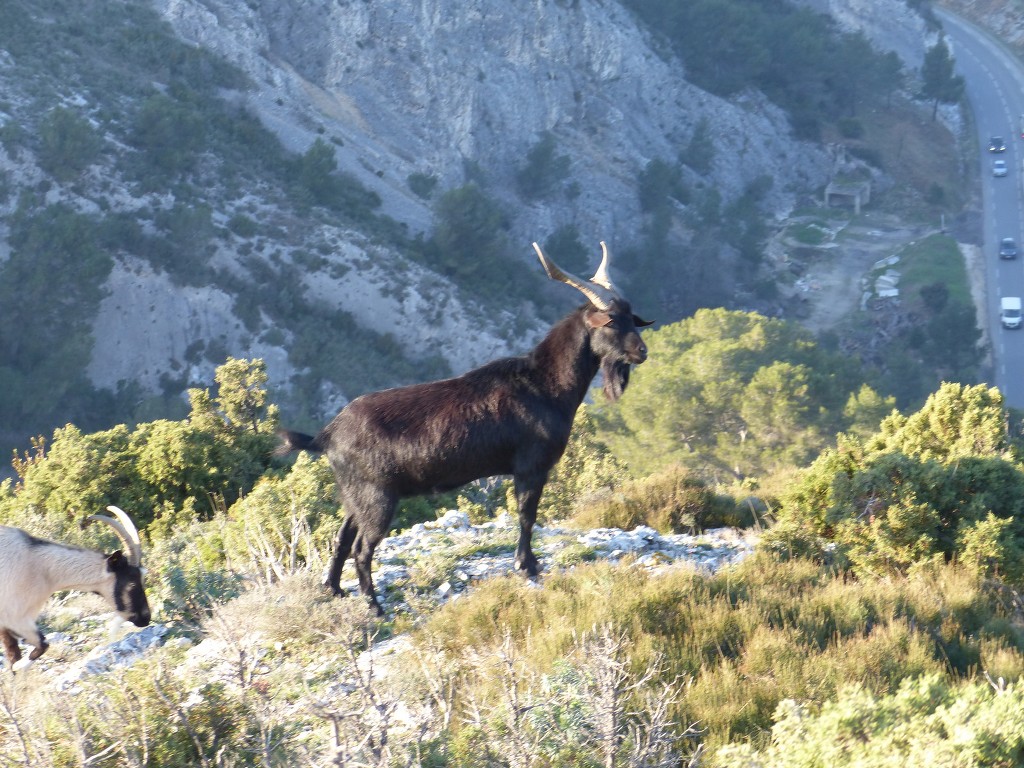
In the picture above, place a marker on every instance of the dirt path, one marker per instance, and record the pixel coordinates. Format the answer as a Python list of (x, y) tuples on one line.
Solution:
[(834, 283), (837, 282)]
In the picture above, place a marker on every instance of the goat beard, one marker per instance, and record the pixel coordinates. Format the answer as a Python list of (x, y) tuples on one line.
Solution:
[(615, 376)]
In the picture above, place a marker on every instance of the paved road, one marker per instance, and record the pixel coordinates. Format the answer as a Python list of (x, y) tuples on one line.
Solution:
[(995, 90)]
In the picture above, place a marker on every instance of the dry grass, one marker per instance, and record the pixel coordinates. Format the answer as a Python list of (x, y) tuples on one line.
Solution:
[(911, 147), (671, 501), (749, 637)]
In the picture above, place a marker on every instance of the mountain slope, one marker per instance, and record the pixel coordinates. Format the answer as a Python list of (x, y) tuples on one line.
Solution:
[(267, 180)]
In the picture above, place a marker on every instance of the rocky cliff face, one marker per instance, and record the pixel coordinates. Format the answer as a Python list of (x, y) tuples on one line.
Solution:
[(891, 25), (1005, 20), (426, 87), (449, 91)]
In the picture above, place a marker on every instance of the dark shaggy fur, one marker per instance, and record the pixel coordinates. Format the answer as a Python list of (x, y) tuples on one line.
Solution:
[(509, 417)]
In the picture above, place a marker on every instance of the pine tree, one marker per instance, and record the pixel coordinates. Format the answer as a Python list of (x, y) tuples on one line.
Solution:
[(939, 83)]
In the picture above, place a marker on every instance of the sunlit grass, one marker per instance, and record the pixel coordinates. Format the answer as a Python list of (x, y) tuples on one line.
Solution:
[(934, 259), (750, 636)]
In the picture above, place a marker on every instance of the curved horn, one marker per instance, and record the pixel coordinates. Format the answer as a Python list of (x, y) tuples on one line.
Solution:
[(600, 296), (601, 277), (126, 530)]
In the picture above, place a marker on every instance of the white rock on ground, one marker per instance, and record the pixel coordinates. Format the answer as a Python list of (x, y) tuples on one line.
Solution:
[(649, 549)]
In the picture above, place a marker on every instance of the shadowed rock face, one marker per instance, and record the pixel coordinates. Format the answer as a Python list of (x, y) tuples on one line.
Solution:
[(890, 25), (428, 88), (424, 87), (399, 89)]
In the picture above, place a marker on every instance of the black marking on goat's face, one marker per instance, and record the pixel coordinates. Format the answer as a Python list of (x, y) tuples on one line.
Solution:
[(616, 341), (129, 595)]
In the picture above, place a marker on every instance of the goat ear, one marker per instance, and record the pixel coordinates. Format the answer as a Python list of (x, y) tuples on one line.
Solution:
[(639, 322), (115, 559), (598, 319)]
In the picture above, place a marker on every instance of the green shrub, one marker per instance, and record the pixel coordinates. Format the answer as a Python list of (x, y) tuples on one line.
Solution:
[(167, 717), (51, 286), (314, 179), (242, 225), (169, 133), (564, 246), (928, 720), (851, 128), (939, 483), (67, 144), (285, 524), (544, 170), (422, 184), (671, 501), (658, 184), (211, 458), (699, 152), (585, 472), (484, 500)]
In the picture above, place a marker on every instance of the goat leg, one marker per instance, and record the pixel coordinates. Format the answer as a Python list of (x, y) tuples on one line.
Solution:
[(342, 548), (39, 650), (11, 649), (528, 497), (34, 638), (362, 554)]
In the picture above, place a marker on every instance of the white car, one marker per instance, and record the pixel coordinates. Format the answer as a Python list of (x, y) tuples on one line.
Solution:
[(999, 168), (1010, 312)]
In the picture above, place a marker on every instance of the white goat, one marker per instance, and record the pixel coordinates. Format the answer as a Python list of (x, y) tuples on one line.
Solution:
[(32, 569)]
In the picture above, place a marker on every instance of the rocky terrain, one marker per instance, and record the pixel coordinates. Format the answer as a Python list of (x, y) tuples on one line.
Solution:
[(397, 92), (425, 88), (1005, 20), (85, 648)]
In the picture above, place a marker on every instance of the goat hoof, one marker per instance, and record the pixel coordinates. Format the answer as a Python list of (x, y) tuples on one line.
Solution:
[(529, 567), (22, 664), (38, 651)]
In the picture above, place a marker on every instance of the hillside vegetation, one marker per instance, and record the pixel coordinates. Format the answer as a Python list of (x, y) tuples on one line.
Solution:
[(879, 619), (137, 176), (883, 600)]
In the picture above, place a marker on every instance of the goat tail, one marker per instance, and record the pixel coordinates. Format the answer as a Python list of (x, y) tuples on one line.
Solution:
[(295, 441)]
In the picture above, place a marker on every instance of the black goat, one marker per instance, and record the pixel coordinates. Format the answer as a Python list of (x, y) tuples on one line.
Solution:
[(508, 417)]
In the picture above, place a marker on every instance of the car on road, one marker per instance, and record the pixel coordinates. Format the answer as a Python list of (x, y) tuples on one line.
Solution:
[(1009, 311), (996, 144), (999, 168), (1007, 248)]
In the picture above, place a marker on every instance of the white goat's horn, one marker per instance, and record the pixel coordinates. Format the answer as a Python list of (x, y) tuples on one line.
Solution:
[(601, 277), (125, 529), (600, 295)]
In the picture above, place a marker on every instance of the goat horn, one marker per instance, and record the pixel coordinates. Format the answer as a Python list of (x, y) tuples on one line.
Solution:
[(125, 529), (601, 277), (600, 296)]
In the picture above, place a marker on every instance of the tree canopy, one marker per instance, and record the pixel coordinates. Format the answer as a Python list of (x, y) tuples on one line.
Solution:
[(938, 81), (209, 459), (796, 56), (736, 394)]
